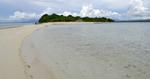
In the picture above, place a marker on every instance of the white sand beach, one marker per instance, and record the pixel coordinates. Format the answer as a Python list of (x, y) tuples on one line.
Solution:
[(11, 64), (75, 51)]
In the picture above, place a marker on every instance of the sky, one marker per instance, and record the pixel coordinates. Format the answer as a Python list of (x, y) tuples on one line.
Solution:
[(22, 10)]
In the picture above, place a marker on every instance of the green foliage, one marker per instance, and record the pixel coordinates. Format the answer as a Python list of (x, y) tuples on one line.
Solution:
[(44, 18), (103, 19), (60, 18)]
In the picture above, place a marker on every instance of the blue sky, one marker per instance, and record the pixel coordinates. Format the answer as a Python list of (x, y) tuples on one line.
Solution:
[(14, 10)]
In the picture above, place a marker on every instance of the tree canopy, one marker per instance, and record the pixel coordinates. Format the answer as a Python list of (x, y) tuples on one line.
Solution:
[(60, 18)]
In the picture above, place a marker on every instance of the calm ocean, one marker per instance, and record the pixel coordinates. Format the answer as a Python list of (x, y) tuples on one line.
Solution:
[(91, 51), (11, 25)]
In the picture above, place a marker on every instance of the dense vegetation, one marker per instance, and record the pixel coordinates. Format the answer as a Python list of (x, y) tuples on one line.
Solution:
[(60, 18)]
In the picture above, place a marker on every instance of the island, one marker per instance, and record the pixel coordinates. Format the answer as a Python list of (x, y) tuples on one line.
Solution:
[(61, 18)]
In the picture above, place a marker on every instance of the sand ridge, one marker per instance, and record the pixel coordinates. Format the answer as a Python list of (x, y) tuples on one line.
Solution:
[(11, 64)]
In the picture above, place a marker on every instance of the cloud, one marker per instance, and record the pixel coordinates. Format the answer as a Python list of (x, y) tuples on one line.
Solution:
[(116, 9), (113, 4), (66, 13), (18, 15), (21, 16), (46, 11), (87, 10), (137, 10), (91, 12)]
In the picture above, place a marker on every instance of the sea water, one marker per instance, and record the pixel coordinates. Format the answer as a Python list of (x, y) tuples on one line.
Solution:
[(92, 51), (4, 25)]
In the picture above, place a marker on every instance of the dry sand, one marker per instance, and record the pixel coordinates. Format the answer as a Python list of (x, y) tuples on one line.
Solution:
[(11, 64)]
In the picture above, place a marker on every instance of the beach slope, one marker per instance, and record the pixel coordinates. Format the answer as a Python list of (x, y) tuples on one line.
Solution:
[(11, 64)]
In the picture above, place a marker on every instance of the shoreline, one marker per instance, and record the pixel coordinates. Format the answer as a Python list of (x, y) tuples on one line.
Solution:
[(12, 66), (11, 60), (20, 48), (87, 52), (50, 23)]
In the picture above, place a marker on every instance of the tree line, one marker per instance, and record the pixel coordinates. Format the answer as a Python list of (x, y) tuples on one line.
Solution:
[(61, 18)]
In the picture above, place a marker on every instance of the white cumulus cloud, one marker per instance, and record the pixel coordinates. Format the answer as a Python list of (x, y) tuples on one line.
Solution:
[(116, 9), (87, 10), (66, 13), (91, 12), (18, 15), (137, 10)]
